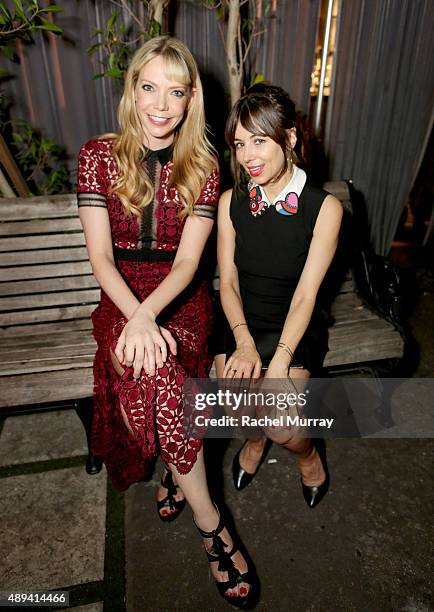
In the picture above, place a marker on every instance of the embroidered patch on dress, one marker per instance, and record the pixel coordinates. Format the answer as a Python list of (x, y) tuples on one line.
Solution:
[(257, 204), (288, 206)]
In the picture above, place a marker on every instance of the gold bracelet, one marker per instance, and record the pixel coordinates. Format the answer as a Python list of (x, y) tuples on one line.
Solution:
[(237, 325), (286, 348)]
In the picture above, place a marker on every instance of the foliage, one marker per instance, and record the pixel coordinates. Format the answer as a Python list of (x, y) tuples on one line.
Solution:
[(124, 31), (40, 159), (27, 17)]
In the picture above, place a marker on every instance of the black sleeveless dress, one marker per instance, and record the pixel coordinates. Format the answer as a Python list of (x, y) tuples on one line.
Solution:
[(270, 253)]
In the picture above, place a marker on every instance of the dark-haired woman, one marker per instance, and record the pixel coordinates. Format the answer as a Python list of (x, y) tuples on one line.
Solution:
[(277, 237)]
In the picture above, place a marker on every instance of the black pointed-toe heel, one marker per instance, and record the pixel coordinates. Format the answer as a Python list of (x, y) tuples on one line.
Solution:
[(169, 501), (313, 495), (93, 464), (235, 577), (240, 476)]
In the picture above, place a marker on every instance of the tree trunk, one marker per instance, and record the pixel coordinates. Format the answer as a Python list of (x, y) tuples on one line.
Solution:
[(156, 8), (234, 62)]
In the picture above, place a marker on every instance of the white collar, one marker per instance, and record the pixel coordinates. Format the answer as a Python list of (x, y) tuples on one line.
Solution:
[(295, 185)]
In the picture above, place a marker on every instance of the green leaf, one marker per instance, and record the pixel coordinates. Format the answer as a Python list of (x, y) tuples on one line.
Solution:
[(259, 78), (19, 9), (53, 8), (112, 20), (9, 52), (4, 73), (114, 72), (5, 11), (50, 27), (90, 50)]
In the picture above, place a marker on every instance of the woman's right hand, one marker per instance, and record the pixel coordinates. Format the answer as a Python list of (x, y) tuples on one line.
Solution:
[(244, 362), (142, 344)]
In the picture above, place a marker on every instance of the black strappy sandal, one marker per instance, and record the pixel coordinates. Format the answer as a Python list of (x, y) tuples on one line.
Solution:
[(169, 501), (224, 558)]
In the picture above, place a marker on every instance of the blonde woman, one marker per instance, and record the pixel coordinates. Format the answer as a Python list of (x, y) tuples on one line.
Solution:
[(147, 199)]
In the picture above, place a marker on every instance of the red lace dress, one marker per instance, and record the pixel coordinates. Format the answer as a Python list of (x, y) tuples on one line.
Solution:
[(144, 250)]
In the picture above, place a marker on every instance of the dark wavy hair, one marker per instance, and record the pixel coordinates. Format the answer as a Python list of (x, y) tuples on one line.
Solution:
[(265, 110)]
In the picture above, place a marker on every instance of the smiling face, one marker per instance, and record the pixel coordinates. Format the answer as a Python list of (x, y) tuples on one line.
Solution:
[(261, 157), (161, 103)]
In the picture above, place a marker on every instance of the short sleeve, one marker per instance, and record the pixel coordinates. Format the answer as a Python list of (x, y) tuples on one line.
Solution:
[(206, 205), (91, 176)]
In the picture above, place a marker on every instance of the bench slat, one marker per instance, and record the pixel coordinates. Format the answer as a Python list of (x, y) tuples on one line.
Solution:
[(48, 365), (48, 256), (50, 314), (48, 284), (46, 387), (345, 329), (33, 344), (390, 346), (50, 299), (17, 334), (49, 241), (354, 317), (46, 271), (39, 207), (48, 226), (38, 356)]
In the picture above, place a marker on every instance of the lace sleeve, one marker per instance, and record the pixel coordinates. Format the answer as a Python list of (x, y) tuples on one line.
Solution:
[(91, 176), (206, 205)]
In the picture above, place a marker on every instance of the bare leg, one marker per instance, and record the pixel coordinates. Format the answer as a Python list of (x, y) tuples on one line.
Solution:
[(309, 462), (251, 452), (194, 487), (206, 517)]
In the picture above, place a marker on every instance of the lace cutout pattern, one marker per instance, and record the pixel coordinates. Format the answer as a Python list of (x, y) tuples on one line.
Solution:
[(152, 405)]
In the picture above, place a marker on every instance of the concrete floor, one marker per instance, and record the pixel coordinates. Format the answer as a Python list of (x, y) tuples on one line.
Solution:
[(366, 548)]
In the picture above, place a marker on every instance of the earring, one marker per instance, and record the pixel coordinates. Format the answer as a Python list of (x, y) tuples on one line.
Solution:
[(292, 158)]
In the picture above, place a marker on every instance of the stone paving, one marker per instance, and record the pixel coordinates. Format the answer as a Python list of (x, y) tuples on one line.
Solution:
[(366, 547), (53, 525)]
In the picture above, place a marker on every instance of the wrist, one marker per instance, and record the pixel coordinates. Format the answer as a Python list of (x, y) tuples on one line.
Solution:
[(246, 343), (145, 312), (281, 360)]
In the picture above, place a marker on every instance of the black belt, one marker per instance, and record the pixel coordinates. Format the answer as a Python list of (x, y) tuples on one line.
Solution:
[(143, 255)]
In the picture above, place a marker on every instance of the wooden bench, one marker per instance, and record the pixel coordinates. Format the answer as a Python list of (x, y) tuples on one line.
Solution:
[(47, 293), (360, 337)]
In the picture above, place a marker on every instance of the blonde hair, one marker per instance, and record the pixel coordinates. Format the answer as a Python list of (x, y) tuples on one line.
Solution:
[(193, 155)]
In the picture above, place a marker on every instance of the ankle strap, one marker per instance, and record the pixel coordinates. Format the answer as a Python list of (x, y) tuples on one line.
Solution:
[(214, 532), (167, 483)]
